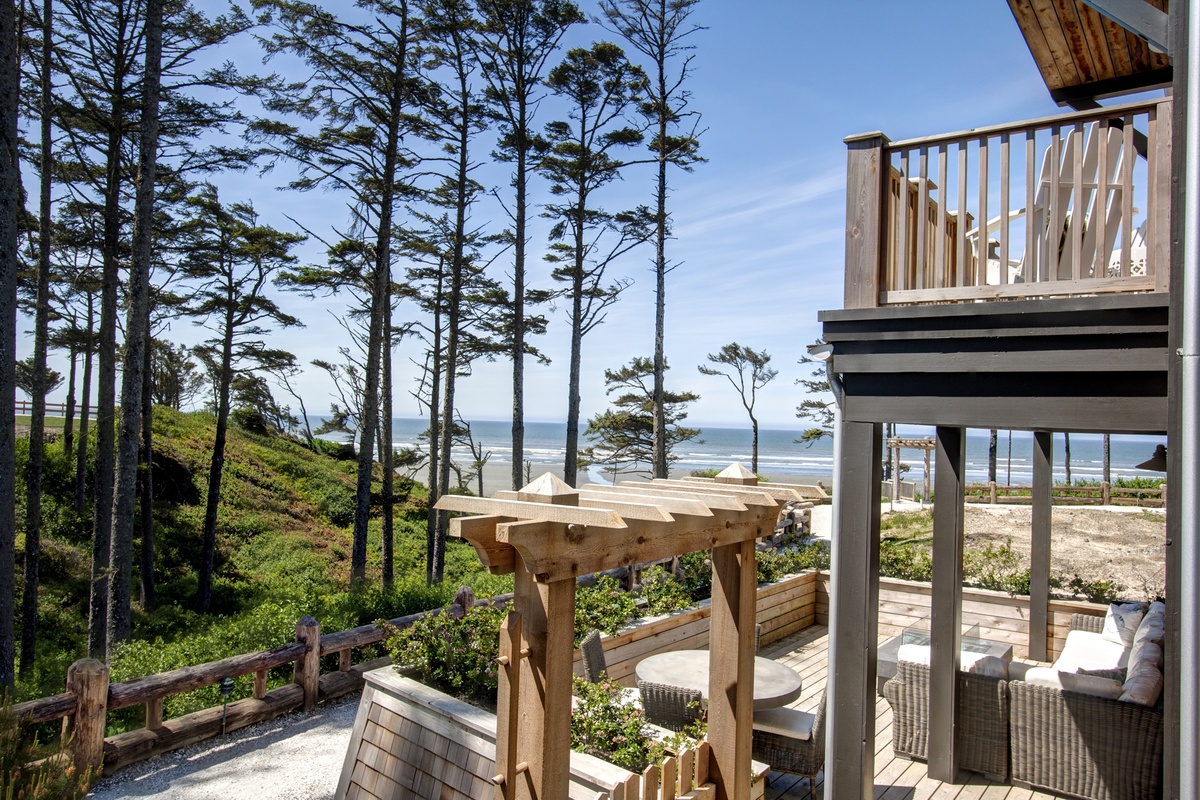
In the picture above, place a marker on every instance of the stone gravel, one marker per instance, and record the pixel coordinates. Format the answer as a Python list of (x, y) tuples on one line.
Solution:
[(294, 757)]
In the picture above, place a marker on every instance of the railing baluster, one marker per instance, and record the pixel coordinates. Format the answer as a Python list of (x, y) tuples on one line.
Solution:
[(922, 281), (1050, 239), (1079, 202), (964, 219), (1004, 181), (939, 258), (1100, 204), (981, 261), (1030, 258), (902, 259), (1127, 196)]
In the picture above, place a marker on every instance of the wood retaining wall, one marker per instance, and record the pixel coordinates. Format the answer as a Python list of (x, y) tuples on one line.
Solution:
[(783, 608), (1001, 617)]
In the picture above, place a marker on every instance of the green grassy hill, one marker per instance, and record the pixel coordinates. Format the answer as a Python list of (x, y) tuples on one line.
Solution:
[(284, 539)]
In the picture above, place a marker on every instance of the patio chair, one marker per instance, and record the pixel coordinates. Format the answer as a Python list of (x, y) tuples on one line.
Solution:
[(791, 740), (595, 669), (671, 707)]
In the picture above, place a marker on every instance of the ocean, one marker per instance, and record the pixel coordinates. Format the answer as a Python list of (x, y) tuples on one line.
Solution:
[(779, 454)]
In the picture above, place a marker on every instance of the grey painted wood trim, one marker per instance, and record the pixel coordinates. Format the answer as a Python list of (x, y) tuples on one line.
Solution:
[(1039, 553), (1077, 415), (946, 601), (1132, 359), (1006, 308), (927, 334), (854, 615)]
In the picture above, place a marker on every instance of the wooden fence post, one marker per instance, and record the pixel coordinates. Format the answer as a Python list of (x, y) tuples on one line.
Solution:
[(307, 672), (1105, 493), (87, 679)]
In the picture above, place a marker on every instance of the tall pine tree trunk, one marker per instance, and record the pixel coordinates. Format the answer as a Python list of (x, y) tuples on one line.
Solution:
[(41, 334), (137, 334), (148, 595), (571, 460), (381, 283), (1107, 458), (754, 446), (993, 447), (85, 413), (435, 394), (102, 493), (10, 207), (68, 439), (389, 456), (518, 333), (208, 544), (660, 293)]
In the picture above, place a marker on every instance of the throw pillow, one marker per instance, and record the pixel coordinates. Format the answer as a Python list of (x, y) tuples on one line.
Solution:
[(1121, 622), (1143, 686), (1111, 674)]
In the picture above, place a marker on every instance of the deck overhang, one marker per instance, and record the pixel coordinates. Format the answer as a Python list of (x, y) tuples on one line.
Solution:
[(1086, 364)]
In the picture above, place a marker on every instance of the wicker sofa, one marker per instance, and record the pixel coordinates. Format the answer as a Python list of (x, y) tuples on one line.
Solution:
[(982, 718), (1070, 742)]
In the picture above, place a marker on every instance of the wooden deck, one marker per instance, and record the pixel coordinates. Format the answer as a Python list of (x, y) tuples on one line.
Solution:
[(807, 652)]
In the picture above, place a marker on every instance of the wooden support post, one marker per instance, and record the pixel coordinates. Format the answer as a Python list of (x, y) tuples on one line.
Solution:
[(307, 672), (1039, 553), (895, 474), (946, 603), (731, 668), (344, 659), (853, 615), (87, 679), (544, 703), (927, 496), (865, 199), (154, 713), (508, 694), (260, 684)]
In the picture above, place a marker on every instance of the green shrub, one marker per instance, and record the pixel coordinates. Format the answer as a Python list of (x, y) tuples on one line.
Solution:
[(454, 655), (662, 593), (604, 726), (905, 559), (696, 574), (603, 606), (1094, 591), (997, 568)]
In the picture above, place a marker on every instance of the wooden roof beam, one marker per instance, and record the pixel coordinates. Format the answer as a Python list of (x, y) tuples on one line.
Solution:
[(1138, 17)]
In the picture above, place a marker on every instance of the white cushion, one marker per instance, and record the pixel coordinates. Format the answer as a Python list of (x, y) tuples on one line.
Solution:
[(1145, 653), (1072, 682), (1121, 622), (785, 722), (976, 663), (1143, 686), (1087, 650)]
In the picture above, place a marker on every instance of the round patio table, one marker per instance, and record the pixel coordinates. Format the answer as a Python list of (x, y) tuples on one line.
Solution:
[(774, 684)]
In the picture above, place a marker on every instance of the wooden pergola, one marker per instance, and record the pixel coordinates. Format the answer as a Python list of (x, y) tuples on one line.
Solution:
[(547, 535)]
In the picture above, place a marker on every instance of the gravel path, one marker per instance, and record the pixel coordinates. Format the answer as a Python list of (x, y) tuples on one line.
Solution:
[(294, 757)]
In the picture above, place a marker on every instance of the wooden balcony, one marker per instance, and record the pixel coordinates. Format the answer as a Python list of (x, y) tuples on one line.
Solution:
[(989, 214)]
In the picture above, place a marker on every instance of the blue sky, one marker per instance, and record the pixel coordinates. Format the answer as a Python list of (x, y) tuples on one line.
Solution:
[(760, 227)]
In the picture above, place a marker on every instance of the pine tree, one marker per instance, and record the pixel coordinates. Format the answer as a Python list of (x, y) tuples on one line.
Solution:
[(747, 371)]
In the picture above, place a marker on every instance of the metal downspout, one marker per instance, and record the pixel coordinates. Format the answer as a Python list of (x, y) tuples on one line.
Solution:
[(1189, 430)]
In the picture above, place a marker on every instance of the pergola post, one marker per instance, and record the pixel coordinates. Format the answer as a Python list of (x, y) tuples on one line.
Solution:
[(731, 669), (854, 615), (1039, 552), (946, 603)]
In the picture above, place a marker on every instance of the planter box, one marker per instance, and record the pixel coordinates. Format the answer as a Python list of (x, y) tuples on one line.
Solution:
[(411, 741)]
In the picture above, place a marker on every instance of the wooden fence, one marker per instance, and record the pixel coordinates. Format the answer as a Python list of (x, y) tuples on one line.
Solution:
[(783, 608), (53, 409), (1072, 204), (1103, 495)]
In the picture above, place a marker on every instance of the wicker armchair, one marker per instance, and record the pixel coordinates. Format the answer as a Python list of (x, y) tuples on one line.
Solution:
[(594, 666), (800, 751), (1090, 747), (672, 707), (982, 721)]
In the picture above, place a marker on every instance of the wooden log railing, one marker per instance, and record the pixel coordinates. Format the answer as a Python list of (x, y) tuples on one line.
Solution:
[(1103, 494), (987, 213), (89, 697)]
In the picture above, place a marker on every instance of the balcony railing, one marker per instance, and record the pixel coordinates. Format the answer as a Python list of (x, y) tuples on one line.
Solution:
[(1076, 204)]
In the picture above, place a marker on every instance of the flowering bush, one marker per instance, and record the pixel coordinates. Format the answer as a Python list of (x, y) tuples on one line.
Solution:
[(603, 726), (663, 594), (603, 606), (455, 654)]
